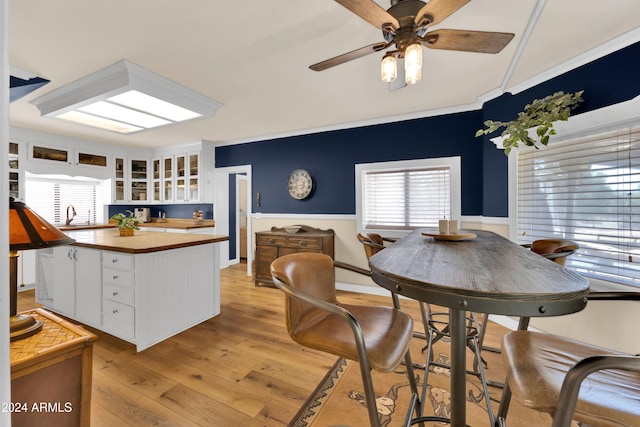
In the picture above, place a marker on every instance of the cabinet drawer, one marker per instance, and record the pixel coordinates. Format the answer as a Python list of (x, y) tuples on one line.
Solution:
[(118, 327), (301, 242), (117, 260), (124, 312), (118, 293), (117, 277)]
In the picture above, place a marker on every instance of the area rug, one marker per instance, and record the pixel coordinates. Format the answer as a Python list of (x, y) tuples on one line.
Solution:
[(339, 401)]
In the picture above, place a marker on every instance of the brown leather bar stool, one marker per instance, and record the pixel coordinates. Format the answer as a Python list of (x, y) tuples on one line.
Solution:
[(377, 337), (569, 380)]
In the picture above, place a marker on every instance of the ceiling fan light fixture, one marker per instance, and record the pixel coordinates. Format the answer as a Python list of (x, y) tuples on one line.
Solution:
[(388, 68), (413, 64)]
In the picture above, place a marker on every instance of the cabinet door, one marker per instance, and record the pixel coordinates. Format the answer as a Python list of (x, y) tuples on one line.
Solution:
[(156, 193), (264, 257), (88, 279), (118, 180), (181, 178), (194, 177), (138, 184), (62, 284)]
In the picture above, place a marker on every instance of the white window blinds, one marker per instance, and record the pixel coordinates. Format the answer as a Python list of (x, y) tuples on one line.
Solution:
[(406, 199), (586, 190), (51, 198)]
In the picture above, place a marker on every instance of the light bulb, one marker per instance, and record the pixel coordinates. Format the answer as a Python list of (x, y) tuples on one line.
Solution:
[(413, 64), (388, 68)]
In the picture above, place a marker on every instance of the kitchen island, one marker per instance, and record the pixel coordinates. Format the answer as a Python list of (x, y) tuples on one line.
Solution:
[(142, 289)]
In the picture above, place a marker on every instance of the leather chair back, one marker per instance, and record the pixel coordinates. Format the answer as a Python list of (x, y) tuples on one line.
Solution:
[(373, 243), (555, 249), (308, 272)]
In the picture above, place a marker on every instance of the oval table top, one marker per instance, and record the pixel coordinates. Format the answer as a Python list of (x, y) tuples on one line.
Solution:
[(487, 274)]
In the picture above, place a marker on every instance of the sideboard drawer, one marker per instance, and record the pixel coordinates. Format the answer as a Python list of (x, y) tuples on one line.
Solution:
[(293, 241)]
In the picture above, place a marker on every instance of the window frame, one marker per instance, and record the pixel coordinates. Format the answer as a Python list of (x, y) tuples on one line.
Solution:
[(454, 163), (614, 118)]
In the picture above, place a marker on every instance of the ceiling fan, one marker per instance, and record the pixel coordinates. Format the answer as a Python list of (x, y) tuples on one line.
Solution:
[(405, 24)]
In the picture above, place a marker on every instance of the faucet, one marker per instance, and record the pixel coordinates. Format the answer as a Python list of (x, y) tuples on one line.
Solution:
[(73, 214)]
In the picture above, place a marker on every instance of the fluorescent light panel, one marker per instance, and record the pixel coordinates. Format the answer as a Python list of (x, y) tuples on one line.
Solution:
[(114, 99)]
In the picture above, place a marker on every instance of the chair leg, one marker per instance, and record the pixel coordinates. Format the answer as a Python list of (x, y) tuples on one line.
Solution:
[(369, 394), (504, 401)]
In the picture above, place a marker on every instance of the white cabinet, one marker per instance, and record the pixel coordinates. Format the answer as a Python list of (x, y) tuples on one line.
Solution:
[(16, 171), (67, 281), (65, 156), (88, 285), (130, 180), (118, 294)]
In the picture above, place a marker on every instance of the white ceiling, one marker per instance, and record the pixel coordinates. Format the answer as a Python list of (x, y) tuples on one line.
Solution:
[(253, 57)]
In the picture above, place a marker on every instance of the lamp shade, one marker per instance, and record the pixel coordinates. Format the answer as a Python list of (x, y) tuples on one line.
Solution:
[(388, 68), (413, 64), (27, 230)]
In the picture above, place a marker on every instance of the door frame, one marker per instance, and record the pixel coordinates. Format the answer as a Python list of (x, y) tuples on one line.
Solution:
[(221, 215)]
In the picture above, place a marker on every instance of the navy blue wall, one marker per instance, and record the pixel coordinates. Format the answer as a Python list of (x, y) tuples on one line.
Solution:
[(331, 156), (179, 211)]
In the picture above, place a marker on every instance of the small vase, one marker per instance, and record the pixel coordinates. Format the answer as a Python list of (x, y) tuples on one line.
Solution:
[(126, 232)]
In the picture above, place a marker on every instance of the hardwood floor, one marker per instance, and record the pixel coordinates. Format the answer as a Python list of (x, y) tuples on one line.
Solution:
[(239, 368)]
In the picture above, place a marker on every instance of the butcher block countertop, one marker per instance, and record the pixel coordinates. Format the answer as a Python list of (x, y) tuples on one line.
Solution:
[(141, 242)]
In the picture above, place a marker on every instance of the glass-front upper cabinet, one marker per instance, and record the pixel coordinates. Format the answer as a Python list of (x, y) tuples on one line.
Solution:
[(167, 179), (194, 177), (139, 180), (14, 170), (181, 195), (118, 182), (156, 193)]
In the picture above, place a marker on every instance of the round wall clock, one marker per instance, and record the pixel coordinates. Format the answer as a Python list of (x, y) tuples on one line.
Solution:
[(299, 184)]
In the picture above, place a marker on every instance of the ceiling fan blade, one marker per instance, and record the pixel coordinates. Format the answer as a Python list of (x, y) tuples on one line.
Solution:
[(469, 41), (370, 12), (349, 56), (439, 10)]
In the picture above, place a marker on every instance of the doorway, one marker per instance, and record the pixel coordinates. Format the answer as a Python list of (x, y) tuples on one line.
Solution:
[(232, 184)]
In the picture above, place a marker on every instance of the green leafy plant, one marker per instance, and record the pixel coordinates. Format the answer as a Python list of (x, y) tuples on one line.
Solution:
[(126, 221), (540, 114)]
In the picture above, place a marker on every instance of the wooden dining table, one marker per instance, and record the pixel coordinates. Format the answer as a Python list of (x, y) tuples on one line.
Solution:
[(483, 273)]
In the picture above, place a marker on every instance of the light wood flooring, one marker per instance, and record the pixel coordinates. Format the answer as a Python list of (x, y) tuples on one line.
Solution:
[(239, 368)]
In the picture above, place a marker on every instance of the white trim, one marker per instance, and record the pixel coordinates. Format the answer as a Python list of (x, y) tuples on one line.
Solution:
[(605, 119), (260, 215), (490, 220)]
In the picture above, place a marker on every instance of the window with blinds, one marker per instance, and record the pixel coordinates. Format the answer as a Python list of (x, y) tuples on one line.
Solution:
[(51, 198), (586, 190), (405, 195)]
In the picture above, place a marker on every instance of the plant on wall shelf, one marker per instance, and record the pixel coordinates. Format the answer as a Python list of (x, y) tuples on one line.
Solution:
[(540, 114)]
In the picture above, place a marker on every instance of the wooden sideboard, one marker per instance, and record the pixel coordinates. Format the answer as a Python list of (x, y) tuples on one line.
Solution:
[(51, 374), (277, 242)]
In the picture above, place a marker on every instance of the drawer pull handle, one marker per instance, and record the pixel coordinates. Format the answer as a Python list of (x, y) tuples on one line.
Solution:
[(115, 294), (270, 240), (114, 260), (115, 277), (115, 311), (302, 242)]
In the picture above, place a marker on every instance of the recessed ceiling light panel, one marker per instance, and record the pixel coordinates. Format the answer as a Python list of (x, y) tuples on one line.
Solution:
[(125, 98)]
